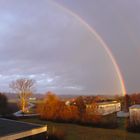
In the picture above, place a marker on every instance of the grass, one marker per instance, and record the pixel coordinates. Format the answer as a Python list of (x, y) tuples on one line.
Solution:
[(75, 132), (122, 123)]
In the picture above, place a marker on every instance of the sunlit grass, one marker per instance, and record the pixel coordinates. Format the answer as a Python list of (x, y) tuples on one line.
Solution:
[(75, 132)]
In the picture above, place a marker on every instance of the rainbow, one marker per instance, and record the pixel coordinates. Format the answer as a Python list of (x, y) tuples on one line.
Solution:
[(101, 41)]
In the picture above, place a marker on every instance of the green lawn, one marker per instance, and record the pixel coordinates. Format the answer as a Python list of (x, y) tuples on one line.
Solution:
[(77, 132)]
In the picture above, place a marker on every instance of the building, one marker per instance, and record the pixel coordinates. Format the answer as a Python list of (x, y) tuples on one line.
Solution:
[(11, 130), (105, 108), (134, 114)]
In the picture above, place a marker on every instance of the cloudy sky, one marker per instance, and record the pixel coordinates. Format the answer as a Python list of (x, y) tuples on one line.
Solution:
[(40, 39)]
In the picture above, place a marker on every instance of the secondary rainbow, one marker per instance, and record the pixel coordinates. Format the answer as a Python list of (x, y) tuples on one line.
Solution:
[(101, 41)]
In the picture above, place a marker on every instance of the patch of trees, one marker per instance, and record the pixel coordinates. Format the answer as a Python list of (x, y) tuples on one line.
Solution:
[(3, 104), (54, 109), (133, 125), (135, 98)]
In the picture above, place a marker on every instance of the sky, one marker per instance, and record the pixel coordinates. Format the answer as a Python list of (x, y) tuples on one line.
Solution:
[(41, 40)]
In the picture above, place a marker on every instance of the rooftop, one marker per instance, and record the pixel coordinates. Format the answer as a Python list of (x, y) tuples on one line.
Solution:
[(109, 102), (134, 106), (11, 127)]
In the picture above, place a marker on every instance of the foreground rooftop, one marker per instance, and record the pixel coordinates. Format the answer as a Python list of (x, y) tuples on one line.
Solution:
[(10, 129)]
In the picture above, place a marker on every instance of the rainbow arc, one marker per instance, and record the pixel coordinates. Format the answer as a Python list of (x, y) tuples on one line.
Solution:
[(101, 41)]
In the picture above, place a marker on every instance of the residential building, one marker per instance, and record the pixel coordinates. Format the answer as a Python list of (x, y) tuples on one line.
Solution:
[(105, 108)]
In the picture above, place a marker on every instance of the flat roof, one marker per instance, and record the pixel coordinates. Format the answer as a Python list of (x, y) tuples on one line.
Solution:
[(109, 102), (134, 106), (11, 127)]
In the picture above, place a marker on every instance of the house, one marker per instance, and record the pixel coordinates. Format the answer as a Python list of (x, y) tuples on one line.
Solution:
[(105, 108), (11, 130), (134, 114)]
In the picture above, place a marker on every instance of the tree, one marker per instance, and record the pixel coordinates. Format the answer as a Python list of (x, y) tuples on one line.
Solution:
[(52, 108), (126, 102), (69, 113), (81, 105), (24, 88), (135, 98), (3, 103)]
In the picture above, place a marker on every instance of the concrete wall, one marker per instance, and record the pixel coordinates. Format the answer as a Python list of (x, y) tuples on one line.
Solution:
[(134, 114)]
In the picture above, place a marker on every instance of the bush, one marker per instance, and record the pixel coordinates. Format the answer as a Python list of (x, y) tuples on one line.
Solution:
[(55, 110), (109, 121), (132, 126), (3, 104)]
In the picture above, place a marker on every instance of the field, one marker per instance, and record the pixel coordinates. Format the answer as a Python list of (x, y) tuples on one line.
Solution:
[(78, 132)]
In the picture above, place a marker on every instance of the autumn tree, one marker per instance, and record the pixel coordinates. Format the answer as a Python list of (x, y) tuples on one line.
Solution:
[(81, 105), (24, 88), (54, 109), (126, 102), (69, 113), (50, 107), (135, 98)]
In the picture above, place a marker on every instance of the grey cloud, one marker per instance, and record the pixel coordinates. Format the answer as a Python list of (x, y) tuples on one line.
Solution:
[(40, 40), (118, 24)]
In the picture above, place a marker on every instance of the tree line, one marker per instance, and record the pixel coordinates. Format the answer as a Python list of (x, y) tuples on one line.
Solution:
[(54, 109)]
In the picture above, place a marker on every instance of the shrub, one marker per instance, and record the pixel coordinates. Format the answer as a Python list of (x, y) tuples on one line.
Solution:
[(3, 104), (132, 126)]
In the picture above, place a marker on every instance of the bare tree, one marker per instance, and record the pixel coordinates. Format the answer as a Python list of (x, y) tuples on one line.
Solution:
[(24, 88)]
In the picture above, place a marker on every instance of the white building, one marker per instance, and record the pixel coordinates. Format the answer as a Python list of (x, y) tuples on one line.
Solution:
[(106, 108), (134, 114), (109, 107)]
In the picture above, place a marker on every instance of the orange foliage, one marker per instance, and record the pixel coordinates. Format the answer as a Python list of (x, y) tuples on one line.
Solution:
[(52, 108), (135, 98), (69, 113), (90, 118)]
